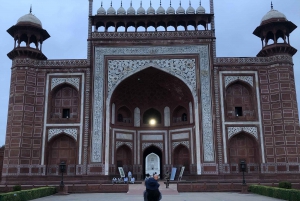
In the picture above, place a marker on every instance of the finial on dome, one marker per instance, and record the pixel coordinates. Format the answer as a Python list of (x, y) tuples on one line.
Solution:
[(170, 3), (121, 3), (180, 3), (101, 3), (190, 3), (110, 3), (200, 2), (150, 3), (160, 2), (271, 5), (141, 4), (131, 3), (30, 10)]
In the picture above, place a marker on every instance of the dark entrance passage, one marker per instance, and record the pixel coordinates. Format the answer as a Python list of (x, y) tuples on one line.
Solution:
[(157, 151)]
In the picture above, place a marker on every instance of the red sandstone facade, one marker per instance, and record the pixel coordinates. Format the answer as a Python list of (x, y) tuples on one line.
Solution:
[(93, 114)]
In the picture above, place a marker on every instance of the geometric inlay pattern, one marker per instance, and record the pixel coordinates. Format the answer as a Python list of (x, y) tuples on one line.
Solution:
[(185, 143), (69, 131), (234, 130), (118, 144), (58, 81), (159, 145), (230, 79)]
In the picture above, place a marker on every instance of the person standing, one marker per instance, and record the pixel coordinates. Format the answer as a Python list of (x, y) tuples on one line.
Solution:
[(152, 192)]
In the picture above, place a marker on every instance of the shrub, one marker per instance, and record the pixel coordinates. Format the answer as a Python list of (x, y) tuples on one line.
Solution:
[(281, 193), (25, 195), (285, 184), (17, 188)]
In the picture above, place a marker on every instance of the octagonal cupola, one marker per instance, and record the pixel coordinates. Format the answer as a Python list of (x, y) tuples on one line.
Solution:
[(28, 29), (274, 31)]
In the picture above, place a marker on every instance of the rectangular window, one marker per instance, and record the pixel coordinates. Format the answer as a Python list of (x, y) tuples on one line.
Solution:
[(238, 111), (66, 113)]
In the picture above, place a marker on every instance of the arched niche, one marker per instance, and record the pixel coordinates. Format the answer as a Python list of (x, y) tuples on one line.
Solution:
[(61, 148), (64, 103), (151, 113), (156, 152), (123, 116), (243, 146), (124, 158), (181, 157), (240, 101), (180, 115), (151, 88)]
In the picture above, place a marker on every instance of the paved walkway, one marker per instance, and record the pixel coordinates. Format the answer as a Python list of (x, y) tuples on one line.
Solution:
[(136, 194)]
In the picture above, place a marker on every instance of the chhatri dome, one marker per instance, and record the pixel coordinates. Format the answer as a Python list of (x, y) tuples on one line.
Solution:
[(141, 10), (111, 10), (170, 10), (101, 10), (200, 9), (180, 9), (130, 10), (160, 10), (190, 9), (121, 10), (29, 19), (273, 14), (150, 10)]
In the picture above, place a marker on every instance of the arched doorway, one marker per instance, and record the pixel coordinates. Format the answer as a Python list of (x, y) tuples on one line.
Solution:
[(181, 157), (62, 149), (124, 158), (243, 147), (149, 153)]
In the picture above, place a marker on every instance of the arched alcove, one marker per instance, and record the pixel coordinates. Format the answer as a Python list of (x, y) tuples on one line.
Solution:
[(149, 150), (124, 116), (180, 115), (181, 157), (62, 148), (151, 88), (239, 101), (243, 146), (151, 114), (124, 158), (64, 104)]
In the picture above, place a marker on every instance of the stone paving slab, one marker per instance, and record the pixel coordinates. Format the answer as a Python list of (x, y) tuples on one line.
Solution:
[(135, 193), (179, 197)]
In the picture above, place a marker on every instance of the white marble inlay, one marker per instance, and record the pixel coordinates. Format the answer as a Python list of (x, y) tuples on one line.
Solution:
[(178, 136), (234, 130), (119, 143), (69, 131), (185, 143), (123, 136), (152, 137), (230, 79), (58, 81)]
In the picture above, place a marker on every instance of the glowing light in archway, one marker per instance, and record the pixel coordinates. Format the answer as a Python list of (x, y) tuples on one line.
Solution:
[(152, 122)]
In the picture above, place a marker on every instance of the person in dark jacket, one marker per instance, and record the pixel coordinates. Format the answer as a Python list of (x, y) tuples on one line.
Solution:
[(152, 192)]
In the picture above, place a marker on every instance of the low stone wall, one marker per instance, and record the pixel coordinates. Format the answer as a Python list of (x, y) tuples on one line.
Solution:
[(99, 188), (220, 187), (209, 187), (78, 188)]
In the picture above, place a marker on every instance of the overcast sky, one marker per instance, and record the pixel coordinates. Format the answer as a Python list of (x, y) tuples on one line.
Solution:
[(66, 22)]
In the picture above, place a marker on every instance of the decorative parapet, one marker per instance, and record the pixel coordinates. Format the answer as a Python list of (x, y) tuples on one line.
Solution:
[(252, 60), (151, 35), (51, 63)]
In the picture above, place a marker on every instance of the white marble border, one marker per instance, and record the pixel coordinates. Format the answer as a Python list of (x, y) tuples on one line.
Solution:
[(98, 103), (259, 123), (63, 125)]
